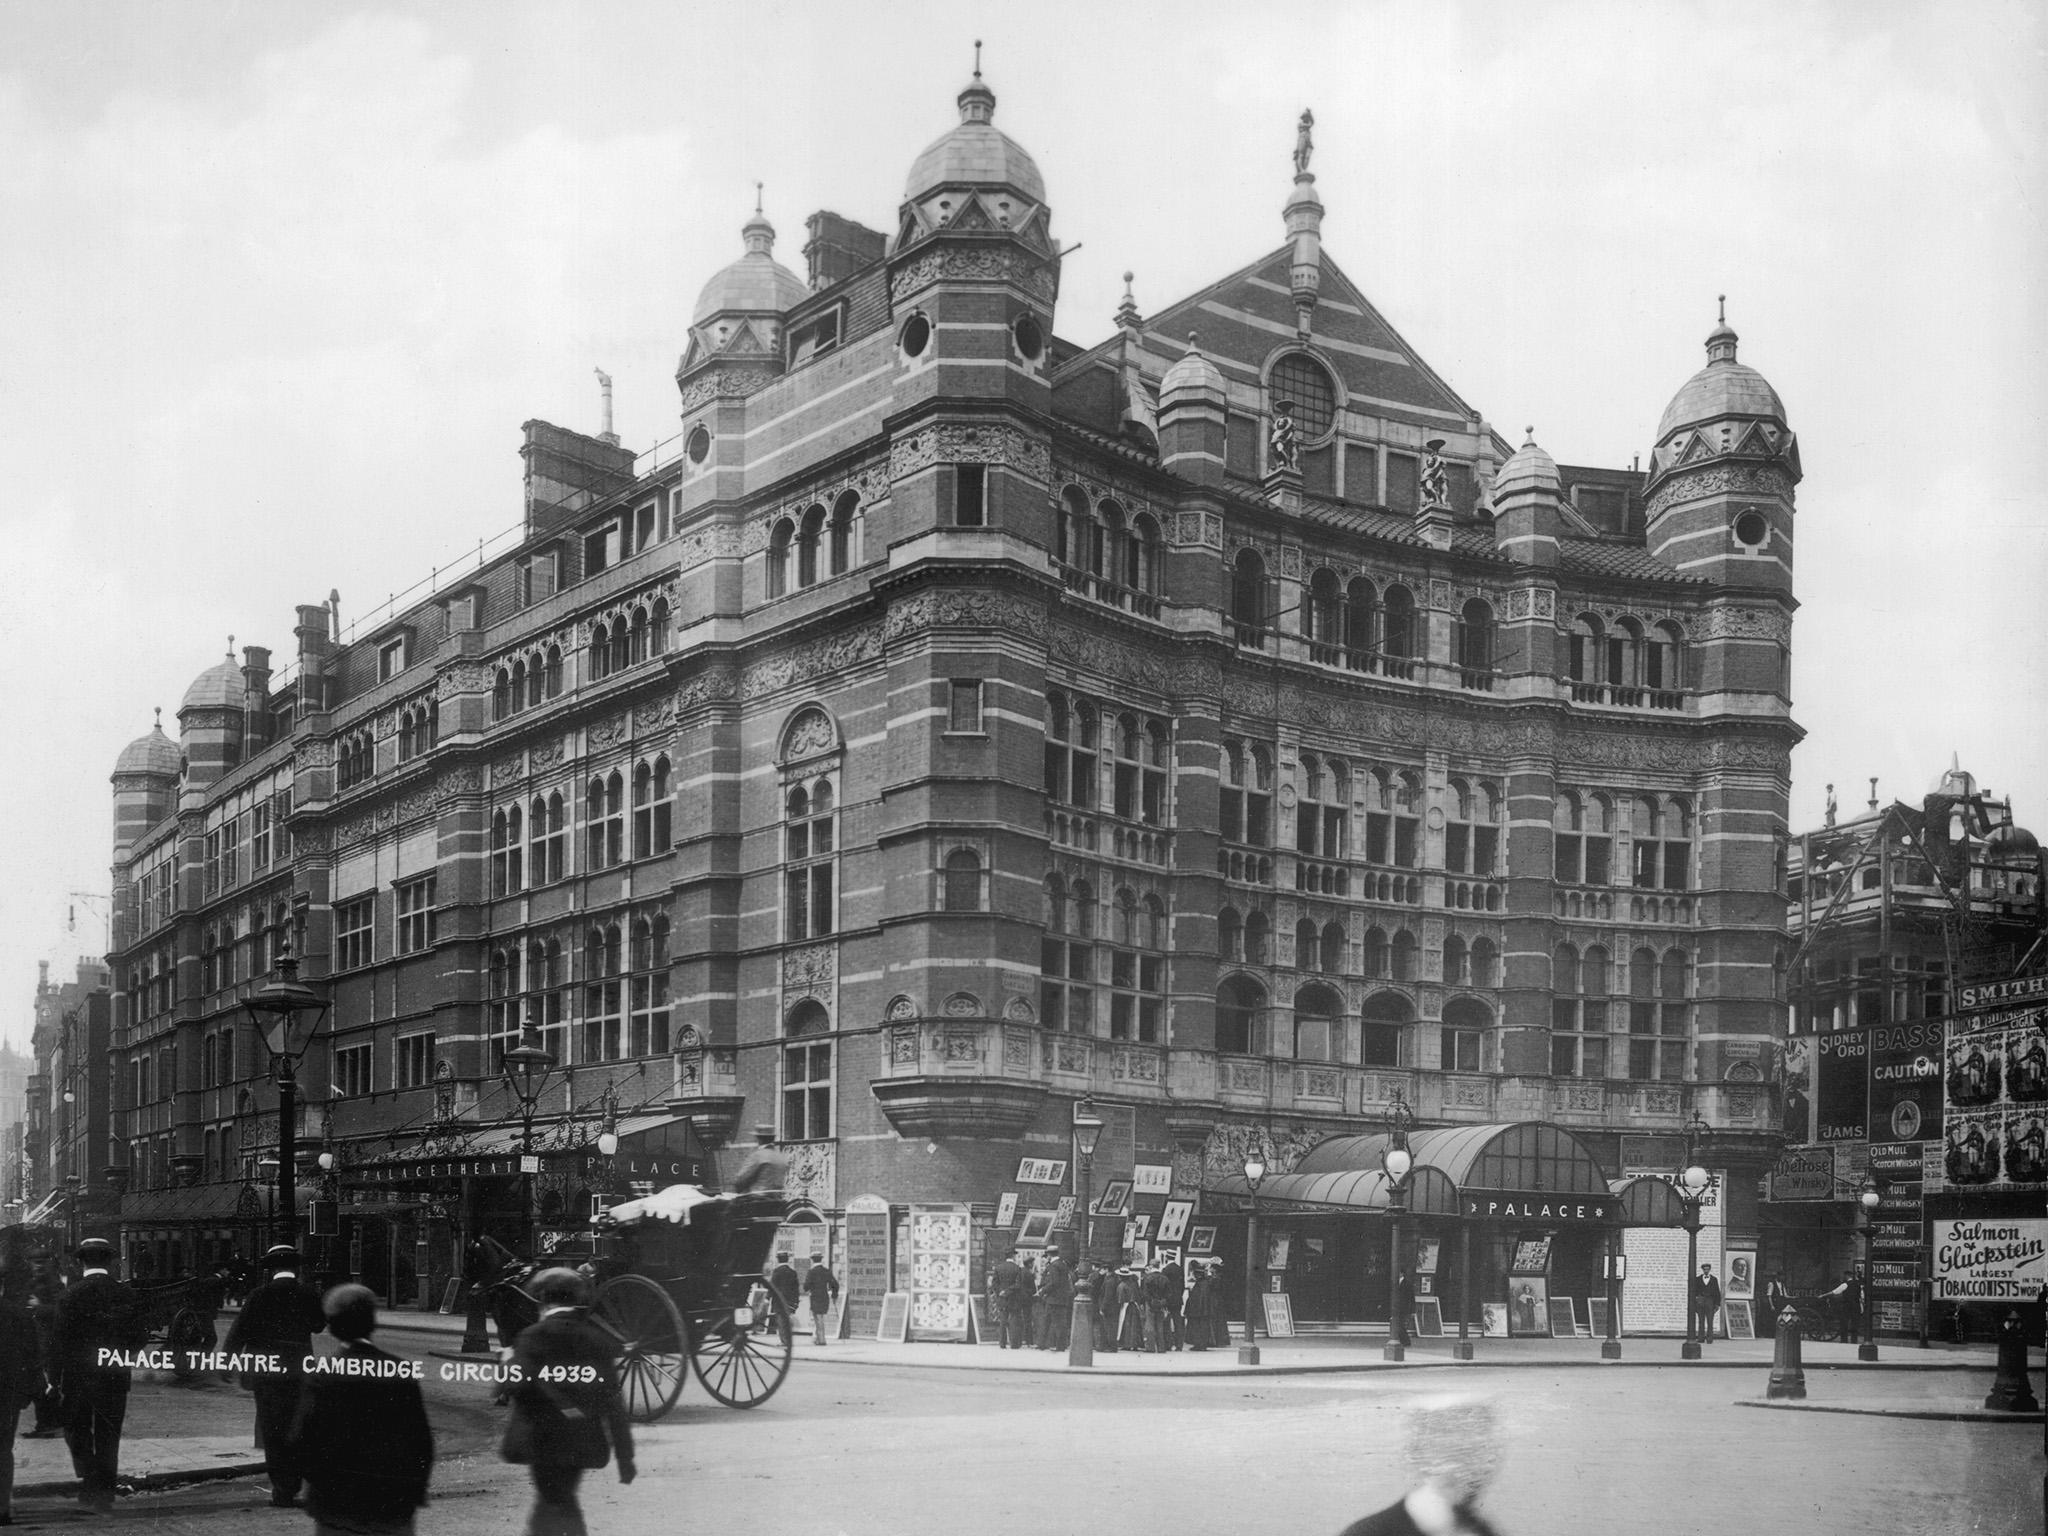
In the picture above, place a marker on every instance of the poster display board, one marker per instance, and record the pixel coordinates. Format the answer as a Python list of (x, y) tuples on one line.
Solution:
[(867, 1268), (2000, 1259), (1279, 1314), (939, 1271), (1995, 1102), (1739, 1319), (1493, 1319), (1741, 1279), (1564, 1322), (1841, 1104), (1428, 1319), (1528, 1307), (895, 1322), (981, 1321), (1597, 1314)]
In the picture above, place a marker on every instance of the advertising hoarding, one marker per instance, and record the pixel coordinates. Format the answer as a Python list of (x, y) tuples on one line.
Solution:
[(1996, 1260), (1841, 1102), (1995, 1102), (1905, 1081)]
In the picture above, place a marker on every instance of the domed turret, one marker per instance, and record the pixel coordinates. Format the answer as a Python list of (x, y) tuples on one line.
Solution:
[(1527, 494), (756, 284), (218, 687), (974, 177), (1193, 375), (210, 721), (145, 783), (1723, 390), (1528, 468), (1193, 418)]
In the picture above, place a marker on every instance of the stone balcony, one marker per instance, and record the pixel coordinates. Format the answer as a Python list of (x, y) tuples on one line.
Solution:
[(988, 1079)]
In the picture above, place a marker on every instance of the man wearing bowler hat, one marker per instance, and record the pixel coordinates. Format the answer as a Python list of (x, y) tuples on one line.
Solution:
[(279, 1318), (98, 1313)]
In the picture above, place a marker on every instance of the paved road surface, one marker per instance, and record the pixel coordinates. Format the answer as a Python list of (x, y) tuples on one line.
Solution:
[(892, 1451)]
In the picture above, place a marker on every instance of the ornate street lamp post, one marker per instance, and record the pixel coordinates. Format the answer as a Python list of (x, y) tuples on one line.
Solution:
[(526, 1070), (1693, 1181), (1397, 1162), (277, 1009), (1254, 1175), (1081, 1332), (1867, 1198)]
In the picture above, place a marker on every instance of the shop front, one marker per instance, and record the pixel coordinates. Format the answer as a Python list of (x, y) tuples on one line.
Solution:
[(1507, 1229)]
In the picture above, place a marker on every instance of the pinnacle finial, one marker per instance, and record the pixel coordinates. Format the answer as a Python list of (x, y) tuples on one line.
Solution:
[(231, 647), (1194, 341), (1529, 437), (977, 58), (159, 717), (760, 188), (1724, 309)]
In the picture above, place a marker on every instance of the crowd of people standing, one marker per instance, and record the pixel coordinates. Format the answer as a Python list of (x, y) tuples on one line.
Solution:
[(1159, 1306)]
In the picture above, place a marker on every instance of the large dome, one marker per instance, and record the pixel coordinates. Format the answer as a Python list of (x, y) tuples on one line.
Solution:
[(977, 153), (218, 687), (755, 284), (154, 753), (1722, 389)]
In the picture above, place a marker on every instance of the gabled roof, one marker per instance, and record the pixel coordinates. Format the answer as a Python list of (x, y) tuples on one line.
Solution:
[(1605, 557)]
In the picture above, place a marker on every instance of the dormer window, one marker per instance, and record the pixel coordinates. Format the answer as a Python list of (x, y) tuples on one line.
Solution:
[(818, 334), (390, 659)]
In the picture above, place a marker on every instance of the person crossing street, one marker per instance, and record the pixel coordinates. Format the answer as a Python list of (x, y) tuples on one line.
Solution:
[(98, 1313), (279, 1318)]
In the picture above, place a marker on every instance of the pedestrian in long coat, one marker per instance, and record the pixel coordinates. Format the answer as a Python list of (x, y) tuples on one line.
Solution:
[(279, 1318), (1201, 1309), (21, 1375), (1105, 1310), (362, 1442), (96, 1313), (567, 1415), (821, 1289), (783, 1282), (1130, 1309), (1056, 1290), (1220, 1317), (1013, 1301)]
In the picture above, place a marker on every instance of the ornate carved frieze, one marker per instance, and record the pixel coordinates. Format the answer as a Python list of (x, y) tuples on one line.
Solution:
[(1203, 528), (314, 754), (965, 608), (809, 972), (608, 733), (714, 685), (463, 677), (654, 714), (809, 734), (545, 755), (974, 263), (965, 443), (508, 770), (1732, 623), (1174, 677), (1738, 479), (963, 1005), (723, 383), (717, 540), (816, 658), (813, 1173)]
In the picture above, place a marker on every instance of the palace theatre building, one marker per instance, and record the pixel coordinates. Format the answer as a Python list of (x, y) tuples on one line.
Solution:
[(1213, 718)]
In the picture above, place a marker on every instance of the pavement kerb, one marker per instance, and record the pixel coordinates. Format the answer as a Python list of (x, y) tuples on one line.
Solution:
[(923, 1362), (149, 1482), (1955, 1415)]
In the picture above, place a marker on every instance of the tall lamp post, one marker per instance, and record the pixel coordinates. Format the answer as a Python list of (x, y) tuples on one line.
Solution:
[(1254, 1175), (72, 1183), (527, 1066), (1692, 1189), (1397, 1162), (1081, 1333), (1867, 1198), (277, 1010)]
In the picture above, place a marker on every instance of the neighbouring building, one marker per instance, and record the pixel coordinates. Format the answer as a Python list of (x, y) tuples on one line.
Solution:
[(1219, 721), (1899, 916), (66, 1156)]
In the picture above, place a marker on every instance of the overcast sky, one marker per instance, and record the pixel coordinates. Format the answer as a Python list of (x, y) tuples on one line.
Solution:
[(281, 281)]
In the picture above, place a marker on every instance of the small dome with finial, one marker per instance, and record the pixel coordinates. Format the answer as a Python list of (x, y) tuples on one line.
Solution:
[(976, 153), (153, 753), (220, 686), (755, 284), (1528, 468), (1194, 374), (1723, 389)]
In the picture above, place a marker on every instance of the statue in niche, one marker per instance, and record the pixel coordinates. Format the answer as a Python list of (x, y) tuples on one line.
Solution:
[(1436, 479), (1284, 436), (1304, 143)]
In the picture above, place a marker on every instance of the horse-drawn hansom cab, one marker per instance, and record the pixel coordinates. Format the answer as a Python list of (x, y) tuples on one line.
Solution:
[(679, 1284)]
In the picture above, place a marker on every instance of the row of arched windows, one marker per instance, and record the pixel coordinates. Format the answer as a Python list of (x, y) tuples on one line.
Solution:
[(806, 548), (355, 759), (419, 728), (625, 993), (627, 639), (1628, 654), (1140, 750), (1111, 554), (525, 681), (1317, 1027)]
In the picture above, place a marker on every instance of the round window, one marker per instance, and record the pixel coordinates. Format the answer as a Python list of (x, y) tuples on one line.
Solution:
[(917, 335), (699, 445), (1751, 529), (1030, 339), (1302, 380)]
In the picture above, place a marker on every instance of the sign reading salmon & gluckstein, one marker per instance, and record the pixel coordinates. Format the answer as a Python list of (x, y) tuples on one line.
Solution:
[(1990, 1260)]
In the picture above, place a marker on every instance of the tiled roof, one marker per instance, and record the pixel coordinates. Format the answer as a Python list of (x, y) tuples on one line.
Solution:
[(1601, 557)]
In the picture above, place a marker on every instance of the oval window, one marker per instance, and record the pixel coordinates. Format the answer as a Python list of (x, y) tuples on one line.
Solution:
[(917, 335), (1305, 384), (1751, 529), (1030, 339), (699, 445)]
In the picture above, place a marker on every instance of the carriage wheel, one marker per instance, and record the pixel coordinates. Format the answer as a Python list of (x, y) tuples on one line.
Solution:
[(742, 1348), (651, 1344), (190, 1330)]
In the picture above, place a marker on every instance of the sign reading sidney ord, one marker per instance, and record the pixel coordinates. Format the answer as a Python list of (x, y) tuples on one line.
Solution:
[(1989, 1260)]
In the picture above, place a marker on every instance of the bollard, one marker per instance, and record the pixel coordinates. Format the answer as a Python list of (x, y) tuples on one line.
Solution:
[(1081, 1337), (1788, 1377), (2011, 1392)]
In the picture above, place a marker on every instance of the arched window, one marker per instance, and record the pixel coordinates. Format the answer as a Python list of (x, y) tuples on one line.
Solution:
[(534, 684), (657, 628), (1316, 1009), (1323, 616), (1378, 959), (647, 1019), (1142, 574), (1466, 1021), (1137, 970), (1240, 1011), (1106, 558), (507, 852), (809, 535), (963, 881), (1485, 963), (548, 838), (807, 1073), (1072, 775), (810, 835), (651, 808), (1383, 1022), (1624, 654), (1250, 598), (1071, 532), (501, 695), (1663, 657), (604, 814), (1404, 956), (1587, 645), (1258, 939), (1361, 619), (1471, 838), (1398, 617), (636, 638), (1229, 935), (1475, 645), (1333, 949), (554, 672), (843, 511), (522, 683), (1659, 1015), (600, 652), (1307, 946), (1457, 962), (1305, 383), (621, 647), (603, 995), (780, 549)]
